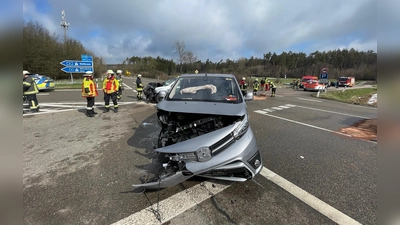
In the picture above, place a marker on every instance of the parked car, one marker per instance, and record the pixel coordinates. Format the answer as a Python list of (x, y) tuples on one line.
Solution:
[(314, 85), (205, 132), (43, 82), (306, 79)]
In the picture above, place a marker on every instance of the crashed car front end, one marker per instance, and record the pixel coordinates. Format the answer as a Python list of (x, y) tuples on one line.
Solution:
[(212, 140)]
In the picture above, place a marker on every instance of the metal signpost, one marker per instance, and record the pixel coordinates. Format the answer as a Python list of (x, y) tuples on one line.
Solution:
[(323, 77), (74, 66)]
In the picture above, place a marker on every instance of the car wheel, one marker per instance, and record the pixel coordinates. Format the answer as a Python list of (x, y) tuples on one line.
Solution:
[(158, 98)]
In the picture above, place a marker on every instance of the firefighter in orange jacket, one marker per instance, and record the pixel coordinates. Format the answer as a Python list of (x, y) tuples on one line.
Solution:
[(110, 89), (89, 91)]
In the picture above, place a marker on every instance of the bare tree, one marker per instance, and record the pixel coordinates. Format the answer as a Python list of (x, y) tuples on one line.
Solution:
[(180, 49), (190, 58)]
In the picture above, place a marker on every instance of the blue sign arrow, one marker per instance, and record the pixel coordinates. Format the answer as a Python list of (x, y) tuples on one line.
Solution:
[(77, 69), (86, 58), (76, 63)]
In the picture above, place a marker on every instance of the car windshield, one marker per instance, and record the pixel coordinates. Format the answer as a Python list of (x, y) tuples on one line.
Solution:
[(209, 89), (168, 82)]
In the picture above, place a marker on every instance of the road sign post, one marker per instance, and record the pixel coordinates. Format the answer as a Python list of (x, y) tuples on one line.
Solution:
[(75, 66)]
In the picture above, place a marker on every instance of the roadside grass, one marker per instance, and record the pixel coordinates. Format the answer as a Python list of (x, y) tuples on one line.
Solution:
[(359, 96)]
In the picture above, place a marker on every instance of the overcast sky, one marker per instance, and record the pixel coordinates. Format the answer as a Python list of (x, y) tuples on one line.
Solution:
[(211, 29)]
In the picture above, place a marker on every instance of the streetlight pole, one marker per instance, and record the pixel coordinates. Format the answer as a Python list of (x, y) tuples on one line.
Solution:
[(65, 26)]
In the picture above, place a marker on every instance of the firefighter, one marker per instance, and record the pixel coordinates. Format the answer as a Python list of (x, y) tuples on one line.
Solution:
[(262, 84), (121, 87), (110, 89), (89, 91), (139, 86), (273, 88), (30, 90), (256, 84), (267, 82), (243, 86)]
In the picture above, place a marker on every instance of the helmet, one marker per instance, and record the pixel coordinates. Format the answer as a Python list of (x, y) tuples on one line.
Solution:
[(244, 78), (88, 74), (110, 71), (119, 71), (256, 79), (139, 75), (25, 72)]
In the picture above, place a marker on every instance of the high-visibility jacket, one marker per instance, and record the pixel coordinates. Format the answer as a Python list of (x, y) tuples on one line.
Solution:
[(272, 85), (89, 88), (139, 85), (29, 86), (243, 85), (110, 85), (256, 85)]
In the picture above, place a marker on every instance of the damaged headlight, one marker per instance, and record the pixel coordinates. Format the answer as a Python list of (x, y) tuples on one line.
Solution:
[(203, 154), (241, 127)]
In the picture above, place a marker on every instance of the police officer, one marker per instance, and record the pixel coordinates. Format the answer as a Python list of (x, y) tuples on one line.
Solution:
[(273, 88), (121, 87), (30, 90), (89, 91), (139, 86), (110, 89)]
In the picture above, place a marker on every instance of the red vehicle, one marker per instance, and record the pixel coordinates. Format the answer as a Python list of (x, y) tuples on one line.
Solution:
[(347, 81), (306, 79)]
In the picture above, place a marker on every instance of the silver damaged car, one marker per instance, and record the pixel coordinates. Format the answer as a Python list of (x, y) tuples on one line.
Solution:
[(205, 132)]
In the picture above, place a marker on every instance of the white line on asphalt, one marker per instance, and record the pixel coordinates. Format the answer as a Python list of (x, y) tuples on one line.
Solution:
[(322, 207), (42, 94), (308, 125), (41, 112), (168, 208), (195, 195), (311, 100), (130, 88), (345, 114)]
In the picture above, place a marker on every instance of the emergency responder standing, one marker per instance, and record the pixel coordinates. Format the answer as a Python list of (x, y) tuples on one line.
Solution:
[(110, 89), (243, 86), (262, 84), (89, 91), (273, 88), (121, 87), (30, 90), (139, 86), (267, 82), (256, 84)]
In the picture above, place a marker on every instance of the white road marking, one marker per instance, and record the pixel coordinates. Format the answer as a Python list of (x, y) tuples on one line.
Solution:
[(43, 94), (46, 112), (322, 110), (277, 108), (130, 88), (169, 209), (322, 207), (261, 112), (311, 100), (269, 110)]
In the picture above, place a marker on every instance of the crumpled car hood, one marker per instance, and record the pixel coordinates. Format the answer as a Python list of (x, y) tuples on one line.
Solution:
[(213, 108), (205, 140)]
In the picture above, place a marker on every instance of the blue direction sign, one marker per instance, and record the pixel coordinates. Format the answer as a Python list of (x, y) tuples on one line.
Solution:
[(323, 76), (77, 69), (87, 58), (76, 63)]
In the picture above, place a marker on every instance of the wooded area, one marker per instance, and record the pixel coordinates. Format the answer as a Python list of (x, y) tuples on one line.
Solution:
[(43, 52)]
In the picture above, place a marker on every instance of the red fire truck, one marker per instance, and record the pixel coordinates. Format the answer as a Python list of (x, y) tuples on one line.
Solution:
[(347, 81)]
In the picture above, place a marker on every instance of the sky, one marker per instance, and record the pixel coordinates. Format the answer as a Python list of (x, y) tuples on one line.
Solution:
[(210, 29)]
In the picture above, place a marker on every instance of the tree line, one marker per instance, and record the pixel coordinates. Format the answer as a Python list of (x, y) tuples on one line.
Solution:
[(43, 52)]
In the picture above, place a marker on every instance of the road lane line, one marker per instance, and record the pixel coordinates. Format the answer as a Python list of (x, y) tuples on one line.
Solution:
[(322, 207), (322, 110), (311, 100), (308, 125), (41, 112), (176, 204)]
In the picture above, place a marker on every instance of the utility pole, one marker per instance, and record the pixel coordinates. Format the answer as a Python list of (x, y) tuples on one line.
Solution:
[(65, 26)]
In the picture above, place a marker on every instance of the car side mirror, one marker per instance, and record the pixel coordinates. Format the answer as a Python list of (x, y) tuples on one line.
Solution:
[(249, 96)]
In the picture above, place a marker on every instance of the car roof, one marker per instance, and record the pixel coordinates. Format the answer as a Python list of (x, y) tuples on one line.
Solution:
[(208, 75)]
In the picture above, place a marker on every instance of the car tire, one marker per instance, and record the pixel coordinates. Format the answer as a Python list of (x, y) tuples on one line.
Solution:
[(158, 98)]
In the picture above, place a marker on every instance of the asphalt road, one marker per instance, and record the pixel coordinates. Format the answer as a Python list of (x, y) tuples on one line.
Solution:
[(79, 170)]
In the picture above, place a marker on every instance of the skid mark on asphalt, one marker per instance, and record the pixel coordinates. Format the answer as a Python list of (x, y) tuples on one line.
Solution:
[(168, 209)]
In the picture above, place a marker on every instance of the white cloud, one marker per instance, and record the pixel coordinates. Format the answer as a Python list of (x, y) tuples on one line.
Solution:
[(212, 29)]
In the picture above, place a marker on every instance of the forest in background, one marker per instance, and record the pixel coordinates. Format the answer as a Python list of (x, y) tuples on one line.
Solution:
[(43, 52)]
